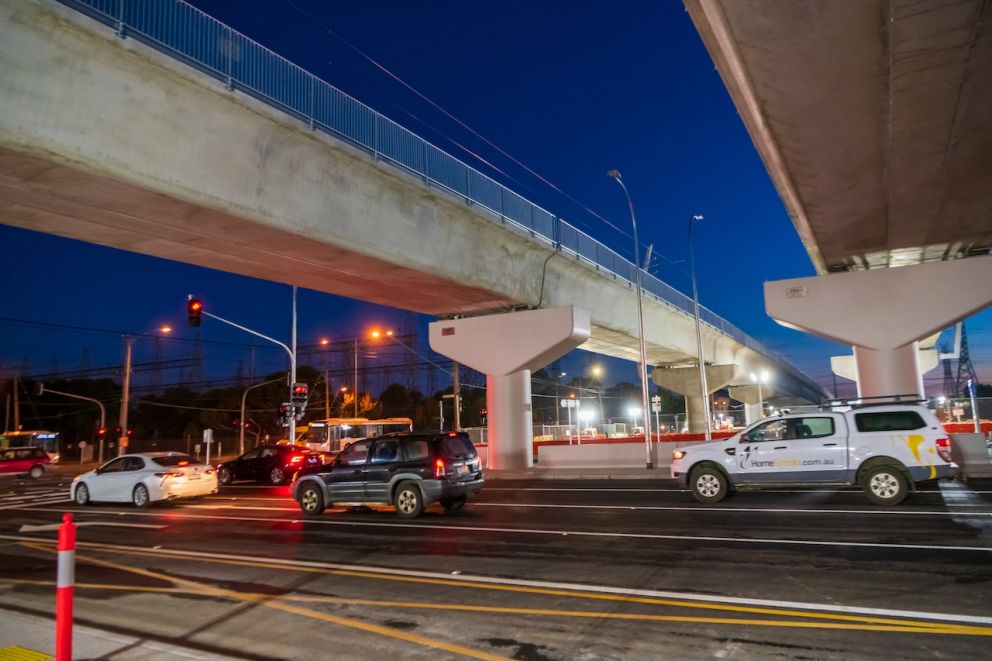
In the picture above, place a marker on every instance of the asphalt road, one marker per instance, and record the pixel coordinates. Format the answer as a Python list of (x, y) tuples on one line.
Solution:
[(625, 569)]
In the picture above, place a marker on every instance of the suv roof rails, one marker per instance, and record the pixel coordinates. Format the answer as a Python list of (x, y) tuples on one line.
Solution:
[(877, 400)]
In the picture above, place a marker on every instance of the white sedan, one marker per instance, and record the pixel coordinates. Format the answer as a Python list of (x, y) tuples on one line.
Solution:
[(145, 478)]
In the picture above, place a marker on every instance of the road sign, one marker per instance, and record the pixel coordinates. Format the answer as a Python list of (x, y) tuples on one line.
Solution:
[(656, 407), (569, 403)]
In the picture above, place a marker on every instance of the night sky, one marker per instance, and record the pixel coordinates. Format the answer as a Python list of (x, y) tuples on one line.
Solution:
[(570, 93)]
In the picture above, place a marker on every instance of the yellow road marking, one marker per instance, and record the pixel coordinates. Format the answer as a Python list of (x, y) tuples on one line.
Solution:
[(906, 627), (914, 625), (269, 602)]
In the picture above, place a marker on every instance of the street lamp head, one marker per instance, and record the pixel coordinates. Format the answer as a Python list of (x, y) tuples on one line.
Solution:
[(389, 333), (633, 411), (613, 174), (324, 341), (166, 329), (765, 376), (697, 217), (597, 370)]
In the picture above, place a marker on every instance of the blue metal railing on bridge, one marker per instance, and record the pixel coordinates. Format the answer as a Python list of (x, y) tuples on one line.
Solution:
[(186, 33)]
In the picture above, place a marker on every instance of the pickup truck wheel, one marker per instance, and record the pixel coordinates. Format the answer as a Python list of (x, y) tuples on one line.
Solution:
[(708, 485), (885, 485), (311, 500)]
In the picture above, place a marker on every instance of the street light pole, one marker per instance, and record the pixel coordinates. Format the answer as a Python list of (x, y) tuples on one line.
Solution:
[(699, 333), (645, 400), (355, 394)]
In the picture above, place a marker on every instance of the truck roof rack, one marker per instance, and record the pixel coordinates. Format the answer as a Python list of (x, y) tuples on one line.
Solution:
[(877, 400)]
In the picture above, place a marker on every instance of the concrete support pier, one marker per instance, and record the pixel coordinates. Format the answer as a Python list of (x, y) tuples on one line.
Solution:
[(884, 314), (685, 381), (506, 347)]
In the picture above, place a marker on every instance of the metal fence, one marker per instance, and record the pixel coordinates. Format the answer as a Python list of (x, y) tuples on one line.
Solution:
[(184, 32)]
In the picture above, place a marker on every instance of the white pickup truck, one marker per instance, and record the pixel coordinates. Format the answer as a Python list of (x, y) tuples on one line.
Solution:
[(885, 449)]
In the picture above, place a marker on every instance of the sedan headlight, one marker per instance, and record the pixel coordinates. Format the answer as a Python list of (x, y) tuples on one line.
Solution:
[(678, 454)]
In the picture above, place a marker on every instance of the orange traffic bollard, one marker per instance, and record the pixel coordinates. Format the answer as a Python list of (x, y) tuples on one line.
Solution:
[(64, 586)]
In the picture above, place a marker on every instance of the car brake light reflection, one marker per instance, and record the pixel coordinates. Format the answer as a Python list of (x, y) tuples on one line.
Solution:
[(296, 459)]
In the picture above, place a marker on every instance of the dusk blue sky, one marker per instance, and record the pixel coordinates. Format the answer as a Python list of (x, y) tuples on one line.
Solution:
[(571, 90)]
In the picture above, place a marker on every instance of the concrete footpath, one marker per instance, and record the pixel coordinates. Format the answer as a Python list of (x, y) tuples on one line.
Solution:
[(32, 637)]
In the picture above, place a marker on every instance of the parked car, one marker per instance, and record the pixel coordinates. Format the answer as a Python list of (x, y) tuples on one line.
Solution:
[(884, 449), (145, 478), (276, 464), (33, 461), (409, 470)]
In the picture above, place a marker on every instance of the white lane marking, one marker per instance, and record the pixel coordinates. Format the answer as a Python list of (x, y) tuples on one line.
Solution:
[(37, 502), (548, 585), (763, 510), (620, 490), (242, 507), (236, 505), (35, 495), (79, 524), (563, 533)]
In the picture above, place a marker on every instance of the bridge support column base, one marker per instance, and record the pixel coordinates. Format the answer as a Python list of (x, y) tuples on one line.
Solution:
[(511, 431)]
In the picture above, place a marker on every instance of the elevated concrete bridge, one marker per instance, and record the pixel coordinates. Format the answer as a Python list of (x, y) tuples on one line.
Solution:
[(213, 151)]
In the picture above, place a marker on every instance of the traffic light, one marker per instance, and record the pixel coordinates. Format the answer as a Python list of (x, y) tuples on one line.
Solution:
[(286, 414), (299, 399), (194, 312)]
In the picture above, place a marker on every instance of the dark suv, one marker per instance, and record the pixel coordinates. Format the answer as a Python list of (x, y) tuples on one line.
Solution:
[(268, 463), (410, 470)]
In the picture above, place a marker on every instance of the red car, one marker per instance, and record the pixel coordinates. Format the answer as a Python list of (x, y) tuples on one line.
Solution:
[(33, 461)]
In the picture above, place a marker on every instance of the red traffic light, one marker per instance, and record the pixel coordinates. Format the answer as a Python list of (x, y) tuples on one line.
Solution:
[(194, 311)]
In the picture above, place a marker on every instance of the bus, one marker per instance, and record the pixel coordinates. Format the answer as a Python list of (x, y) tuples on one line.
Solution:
[(46, 440), (335, 434)]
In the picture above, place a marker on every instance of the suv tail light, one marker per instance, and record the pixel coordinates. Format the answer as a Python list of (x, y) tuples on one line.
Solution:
[(944, 449), (439, 468)]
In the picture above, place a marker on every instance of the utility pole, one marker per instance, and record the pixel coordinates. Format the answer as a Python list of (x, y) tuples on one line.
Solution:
[(17, 406), (456, 388), (125, 397), (327, 393), (355, 394)]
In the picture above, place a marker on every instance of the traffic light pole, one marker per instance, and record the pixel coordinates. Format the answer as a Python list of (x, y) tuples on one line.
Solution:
[(241, 420), (292, 356), (196, 309), (103, 411)]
